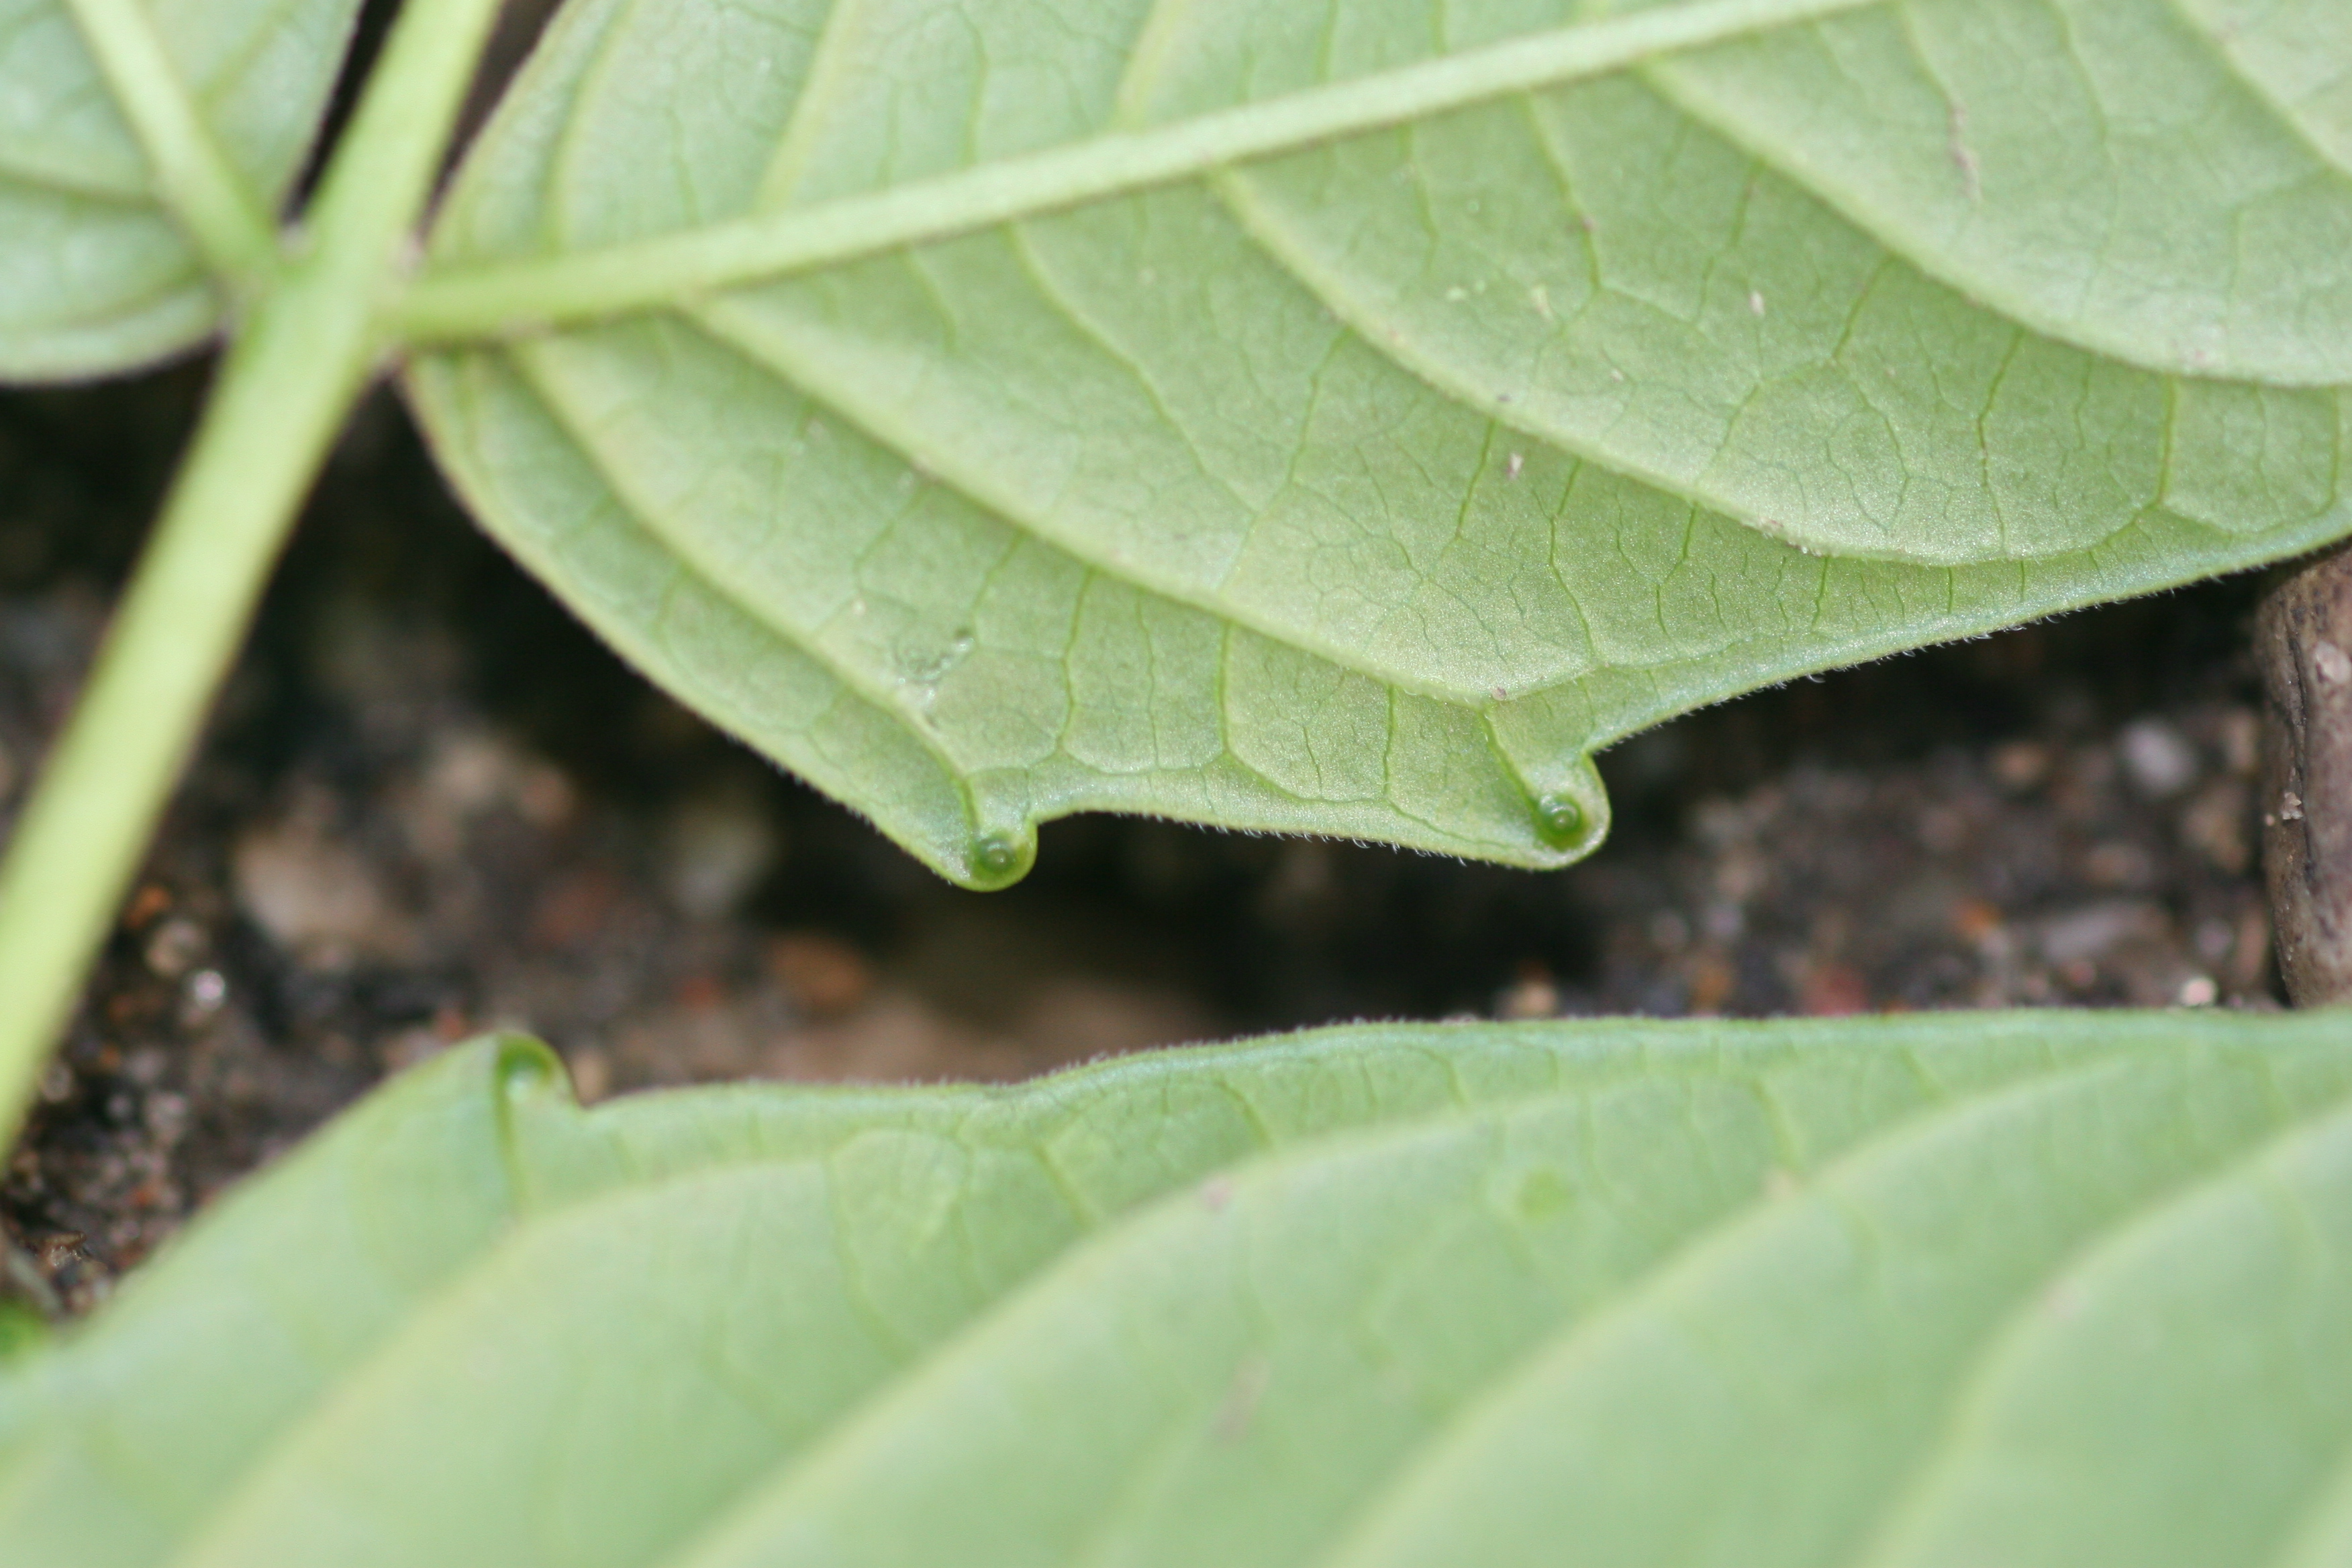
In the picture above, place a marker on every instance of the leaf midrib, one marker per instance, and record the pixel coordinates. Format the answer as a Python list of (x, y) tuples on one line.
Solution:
[(460, 301)]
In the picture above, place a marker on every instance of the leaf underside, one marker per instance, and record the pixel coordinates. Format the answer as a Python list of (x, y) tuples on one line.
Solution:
[(94, 275), (2018, 1288), (1367, 487)]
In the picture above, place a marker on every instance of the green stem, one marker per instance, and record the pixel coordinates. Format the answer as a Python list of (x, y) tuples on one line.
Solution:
[(299, 362)]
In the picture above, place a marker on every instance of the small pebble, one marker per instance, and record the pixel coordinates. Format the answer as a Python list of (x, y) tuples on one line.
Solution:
[(165, 1115), (207, 989), (591, 1073), (2158, 759), (2019, 765), (1942, 830), (1973, 920), (1532, 996), (175, 947), (824, 975), (2215, 825), (717, 846), (310, 893), (151, 900), (1834, 991), (2081, 935), (2118, 865)]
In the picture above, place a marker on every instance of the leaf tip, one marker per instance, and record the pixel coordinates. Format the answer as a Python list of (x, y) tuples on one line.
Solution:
[(524, 1068), (1560, 819), (1002, 857)]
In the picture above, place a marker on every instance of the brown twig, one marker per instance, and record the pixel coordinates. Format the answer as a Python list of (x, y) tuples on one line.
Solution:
[(2303, 641)]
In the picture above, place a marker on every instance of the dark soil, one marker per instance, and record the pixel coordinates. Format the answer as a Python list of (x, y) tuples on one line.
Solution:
[(430, 805)]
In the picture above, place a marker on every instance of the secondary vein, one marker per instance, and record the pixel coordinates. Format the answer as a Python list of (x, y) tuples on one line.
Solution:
[(196, 181)]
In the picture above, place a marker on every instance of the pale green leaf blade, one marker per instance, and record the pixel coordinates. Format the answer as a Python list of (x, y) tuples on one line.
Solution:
[(110, 1450), (1526, 1390), (1367, 486), (1804, 1371), (2130, 175), (95, 276), (114, 1450), (2291, 54), (1583, 1293), (2245, 1286)]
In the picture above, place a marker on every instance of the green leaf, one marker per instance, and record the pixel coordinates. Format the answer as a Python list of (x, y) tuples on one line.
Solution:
[(2017, 1288), (1347, 419), (20, 1329), (96, 272)]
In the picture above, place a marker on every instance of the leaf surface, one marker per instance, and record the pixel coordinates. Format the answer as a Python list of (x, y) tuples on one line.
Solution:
[(1344, 418), (1911, 1291), (95, 274)]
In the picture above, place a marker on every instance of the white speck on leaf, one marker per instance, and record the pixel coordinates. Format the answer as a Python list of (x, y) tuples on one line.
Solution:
[(1963, 158)]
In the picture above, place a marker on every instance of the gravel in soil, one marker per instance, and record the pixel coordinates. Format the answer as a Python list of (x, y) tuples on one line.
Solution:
[(430, 805)]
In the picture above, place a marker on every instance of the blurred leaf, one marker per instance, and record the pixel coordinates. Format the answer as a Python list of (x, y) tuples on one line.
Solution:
[(2008, 1287), (942, 407), (94, 276), (21, 1329)]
